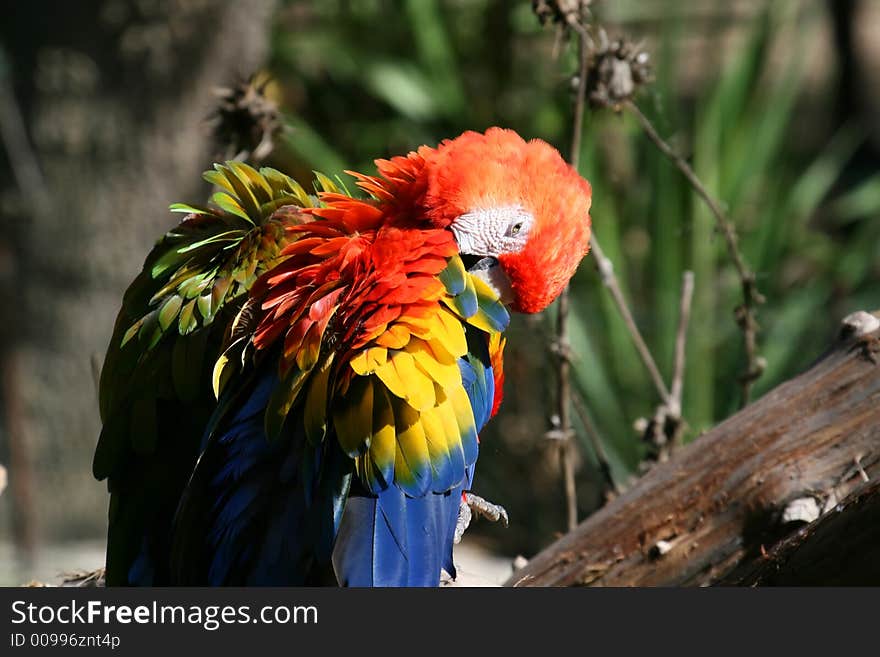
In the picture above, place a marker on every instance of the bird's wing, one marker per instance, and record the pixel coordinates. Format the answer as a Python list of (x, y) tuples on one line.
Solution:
[(374, 354), (360, 351), (155, 393), (402, 534)]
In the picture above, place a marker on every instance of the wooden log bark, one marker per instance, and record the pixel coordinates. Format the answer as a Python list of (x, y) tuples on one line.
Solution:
[(841, 548), (712, 512)]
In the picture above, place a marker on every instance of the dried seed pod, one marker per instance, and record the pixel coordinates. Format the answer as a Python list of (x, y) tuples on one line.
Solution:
[(245, 121), (617, 71), (562, 12)]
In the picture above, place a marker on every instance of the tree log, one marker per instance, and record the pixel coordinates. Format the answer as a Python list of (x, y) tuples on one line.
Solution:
[(758, 499), (840, 549)]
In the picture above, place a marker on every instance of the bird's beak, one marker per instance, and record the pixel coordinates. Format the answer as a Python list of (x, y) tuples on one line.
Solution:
[(490, 271)]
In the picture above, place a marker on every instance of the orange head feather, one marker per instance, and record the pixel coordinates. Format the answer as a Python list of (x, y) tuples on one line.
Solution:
[(515, 201)]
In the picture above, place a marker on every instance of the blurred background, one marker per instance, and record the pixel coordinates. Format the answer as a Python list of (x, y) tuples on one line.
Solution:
[(103, 108)]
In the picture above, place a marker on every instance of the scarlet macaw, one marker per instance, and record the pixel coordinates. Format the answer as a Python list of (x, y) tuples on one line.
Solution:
[(355, 350)]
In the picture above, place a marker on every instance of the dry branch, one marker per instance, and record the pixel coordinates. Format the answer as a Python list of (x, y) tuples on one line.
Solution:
[(563, 426), (738, 492), (609, 280), (752, 298)]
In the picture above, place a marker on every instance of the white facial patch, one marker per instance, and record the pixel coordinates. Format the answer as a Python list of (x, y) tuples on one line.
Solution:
[(493, 231)]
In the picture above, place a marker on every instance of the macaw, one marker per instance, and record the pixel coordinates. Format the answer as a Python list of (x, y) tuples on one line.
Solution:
[(295, 384)]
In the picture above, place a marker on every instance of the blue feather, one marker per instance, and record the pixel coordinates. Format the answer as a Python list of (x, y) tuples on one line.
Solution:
[(393, 539), (446, 472), (396, 540), (142, 571), (479, 383), (269, 513), (466, 302), (262, 513), (453, 276)]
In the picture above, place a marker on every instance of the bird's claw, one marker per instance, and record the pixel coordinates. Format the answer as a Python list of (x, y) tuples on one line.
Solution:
[(471, 504), (487, 509)]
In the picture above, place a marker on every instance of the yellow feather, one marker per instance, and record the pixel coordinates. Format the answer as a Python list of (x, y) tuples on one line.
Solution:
[(440, 353), (446, 414), (446, 374), (418, 387), (367, 361), (383, 445), (482, 288), (449, 303), (480, 321), (435, 435), (461, 405), (396, 337), (218, 380), (387, 373), (451, 335), (411, 458), (422, 327), (496, 342)]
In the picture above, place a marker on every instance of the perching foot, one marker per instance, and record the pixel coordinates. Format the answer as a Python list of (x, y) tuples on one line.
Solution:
[(471, 504)]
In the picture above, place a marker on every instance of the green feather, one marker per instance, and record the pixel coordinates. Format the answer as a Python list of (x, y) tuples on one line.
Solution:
[(315, 410), (218, 178), (243, 192), (492, 315), (231, 236), (268, 208), (255, 183), (204, 306), (324, 184), (466, 303), (130, 333), (188, 321), (342, 186), (283, 186), (155, 401), (226, 202), (453, 276), (150, 331), (195, 285), (171, 258), (218, 292), (188, 209), (353, 417), (169, 311)]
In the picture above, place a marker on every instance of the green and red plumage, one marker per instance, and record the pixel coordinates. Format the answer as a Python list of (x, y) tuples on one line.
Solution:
[(359, 366), (155, 394)]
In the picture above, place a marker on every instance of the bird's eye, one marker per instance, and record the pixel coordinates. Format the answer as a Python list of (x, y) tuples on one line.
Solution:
[(516, 228)]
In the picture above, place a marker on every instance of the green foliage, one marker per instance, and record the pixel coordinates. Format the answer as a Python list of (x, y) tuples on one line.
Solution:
[(361, 80), (738, 132)]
